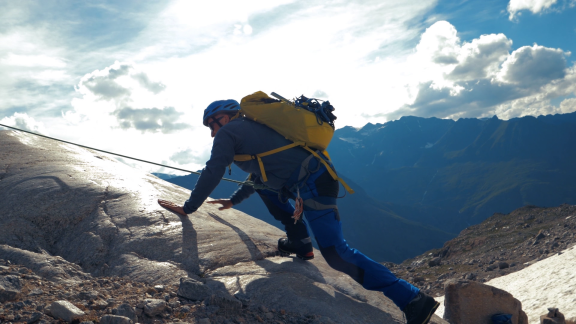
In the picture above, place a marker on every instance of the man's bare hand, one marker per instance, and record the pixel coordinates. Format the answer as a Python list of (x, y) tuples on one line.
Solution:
[(172, 207), (226, 203)]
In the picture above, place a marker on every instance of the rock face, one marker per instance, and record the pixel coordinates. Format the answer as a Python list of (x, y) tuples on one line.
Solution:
[(114, 319), (125, 310), (553, 317), (153, 307), (193, 290), (65, 311), (9, 288), (472, 302), (70, 214)]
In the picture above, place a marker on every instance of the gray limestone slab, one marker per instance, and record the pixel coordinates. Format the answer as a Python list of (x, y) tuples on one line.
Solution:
[(72, 214)]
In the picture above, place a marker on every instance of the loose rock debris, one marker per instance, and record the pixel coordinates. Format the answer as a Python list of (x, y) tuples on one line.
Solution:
[(114, 300)]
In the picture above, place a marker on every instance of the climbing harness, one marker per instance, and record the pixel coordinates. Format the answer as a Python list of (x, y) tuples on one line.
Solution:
[(249, 183)]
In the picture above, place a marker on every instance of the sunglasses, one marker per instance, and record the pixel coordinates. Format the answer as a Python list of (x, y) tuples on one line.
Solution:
[(215, 121)]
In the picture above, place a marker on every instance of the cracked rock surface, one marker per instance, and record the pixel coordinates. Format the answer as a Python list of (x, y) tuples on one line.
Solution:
[(71, 215)]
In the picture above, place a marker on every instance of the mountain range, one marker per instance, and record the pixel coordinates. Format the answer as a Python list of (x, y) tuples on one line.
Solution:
[(453, 174)]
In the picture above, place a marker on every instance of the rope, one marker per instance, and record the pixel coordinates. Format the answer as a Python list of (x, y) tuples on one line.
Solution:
[(250, 183)]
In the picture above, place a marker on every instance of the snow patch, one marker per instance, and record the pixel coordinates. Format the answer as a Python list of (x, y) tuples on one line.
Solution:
[(351, 140), (547, 283)]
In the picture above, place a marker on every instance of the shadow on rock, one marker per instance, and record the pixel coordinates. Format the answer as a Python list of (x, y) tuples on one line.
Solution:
[(190, 257), (294, 285)]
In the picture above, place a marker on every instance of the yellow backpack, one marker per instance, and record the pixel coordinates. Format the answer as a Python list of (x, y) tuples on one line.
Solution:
[(295, 122)]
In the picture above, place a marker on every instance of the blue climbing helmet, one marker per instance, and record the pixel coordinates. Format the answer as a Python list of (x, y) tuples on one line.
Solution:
[(216, 107)]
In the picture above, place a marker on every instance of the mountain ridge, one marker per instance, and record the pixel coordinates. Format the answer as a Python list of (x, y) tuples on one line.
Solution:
[(452, 174)]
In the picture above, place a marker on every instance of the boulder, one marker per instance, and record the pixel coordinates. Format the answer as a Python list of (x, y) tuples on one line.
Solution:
[(115, 319), (193, 289), (472, 302), (99, 304), (434, 262), (10, 288), (553, 317), (153, 307), (125, 310), (65, 311), (35, 317), (88, 295), (224, 301)]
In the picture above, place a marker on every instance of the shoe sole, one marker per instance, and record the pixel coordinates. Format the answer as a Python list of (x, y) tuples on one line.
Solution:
[(308, 256), (436, 305)]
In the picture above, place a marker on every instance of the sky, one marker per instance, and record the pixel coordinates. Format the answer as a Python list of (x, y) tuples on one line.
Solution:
[(134, 77)]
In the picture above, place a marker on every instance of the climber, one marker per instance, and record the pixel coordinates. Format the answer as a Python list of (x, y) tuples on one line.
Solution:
[(294, 173)]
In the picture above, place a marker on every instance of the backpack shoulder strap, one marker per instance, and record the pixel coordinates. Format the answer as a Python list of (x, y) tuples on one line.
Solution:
[(248, 157)]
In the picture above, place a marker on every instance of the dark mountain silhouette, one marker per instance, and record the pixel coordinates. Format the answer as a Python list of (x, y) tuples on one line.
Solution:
[(452, 174)]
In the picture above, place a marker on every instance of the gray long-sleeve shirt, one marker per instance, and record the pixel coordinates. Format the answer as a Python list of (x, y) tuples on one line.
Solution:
[(244, 136)]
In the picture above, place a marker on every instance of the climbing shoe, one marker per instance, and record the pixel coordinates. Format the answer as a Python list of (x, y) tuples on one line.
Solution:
[(302, 248), (420, 309)]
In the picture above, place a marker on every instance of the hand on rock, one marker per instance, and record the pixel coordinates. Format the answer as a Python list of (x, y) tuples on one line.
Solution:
[(172, 207), (226, 203)]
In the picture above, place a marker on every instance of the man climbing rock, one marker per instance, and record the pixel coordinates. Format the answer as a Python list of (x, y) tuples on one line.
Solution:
[(295, 174)]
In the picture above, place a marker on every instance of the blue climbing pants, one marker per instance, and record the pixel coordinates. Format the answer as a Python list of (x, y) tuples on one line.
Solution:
[(319, 192)]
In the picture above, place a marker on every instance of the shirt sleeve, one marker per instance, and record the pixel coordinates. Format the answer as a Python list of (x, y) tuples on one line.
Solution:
[(244, 192), (222, 156)]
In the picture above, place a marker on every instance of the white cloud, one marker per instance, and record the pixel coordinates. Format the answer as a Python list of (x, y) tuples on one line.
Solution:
[(481, 57), (293, 48), (23, 121), (33, 61), (150, 119), (180, 56), (568, 106), (195, 14), (190, 155), (482, 78), (183, 43), (535, 6), (247, 29), (26, 73), (533, 66), (440, 44), (123, 96)]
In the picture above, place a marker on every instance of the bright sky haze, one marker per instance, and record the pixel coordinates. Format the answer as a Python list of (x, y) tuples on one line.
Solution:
[(134, 77)]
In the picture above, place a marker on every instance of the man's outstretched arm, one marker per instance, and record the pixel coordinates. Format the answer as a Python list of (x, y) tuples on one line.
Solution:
[(221, 157)]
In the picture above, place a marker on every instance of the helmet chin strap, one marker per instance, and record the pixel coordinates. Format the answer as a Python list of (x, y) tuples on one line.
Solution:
[(238, 114), (215, 121)]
